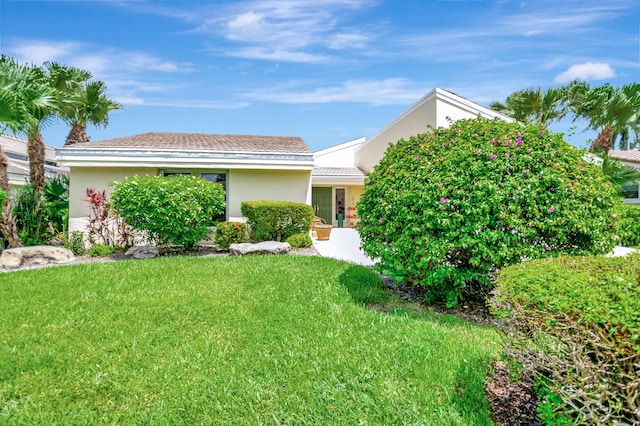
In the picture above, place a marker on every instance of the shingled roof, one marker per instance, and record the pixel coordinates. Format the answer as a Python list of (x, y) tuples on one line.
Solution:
[(631, 156), (200, 142)]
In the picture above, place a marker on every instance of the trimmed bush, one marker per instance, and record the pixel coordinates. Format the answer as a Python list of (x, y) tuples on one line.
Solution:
[(228, 233), (447, 209), (628, 225), (171, 210), (276, 220), (573, 322), (299, 240), (100, 250)]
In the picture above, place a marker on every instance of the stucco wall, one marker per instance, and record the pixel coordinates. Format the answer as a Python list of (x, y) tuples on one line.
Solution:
[(412, 124), (251, 185), (82, 178)]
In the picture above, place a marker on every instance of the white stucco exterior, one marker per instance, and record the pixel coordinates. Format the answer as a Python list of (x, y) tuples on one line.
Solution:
[(434, 109)]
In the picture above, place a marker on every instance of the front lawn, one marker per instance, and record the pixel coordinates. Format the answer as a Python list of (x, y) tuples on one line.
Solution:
[(242, 340)]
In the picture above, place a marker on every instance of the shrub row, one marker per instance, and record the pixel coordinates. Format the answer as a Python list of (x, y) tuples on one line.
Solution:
[(573, 322), (628, 225), (276, 220)]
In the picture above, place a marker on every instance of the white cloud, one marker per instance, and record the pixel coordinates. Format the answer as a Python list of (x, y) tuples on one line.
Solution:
[(277, 55), (391, 91), (586, 71), (39, 51)]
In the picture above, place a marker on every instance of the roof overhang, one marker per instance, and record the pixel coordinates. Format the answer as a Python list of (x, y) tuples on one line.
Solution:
[(183, 159)]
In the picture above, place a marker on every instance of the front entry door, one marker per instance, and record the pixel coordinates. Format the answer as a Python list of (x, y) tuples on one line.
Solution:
[(321, 202)]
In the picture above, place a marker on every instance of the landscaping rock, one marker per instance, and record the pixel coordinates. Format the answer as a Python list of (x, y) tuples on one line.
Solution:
[(265, 247), (143, 252), (25, 257)]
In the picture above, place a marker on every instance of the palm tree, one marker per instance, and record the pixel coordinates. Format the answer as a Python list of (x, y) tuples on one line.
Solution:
[(607, 109), (28, 106), (534, 105), (87, 104), (17, 99)]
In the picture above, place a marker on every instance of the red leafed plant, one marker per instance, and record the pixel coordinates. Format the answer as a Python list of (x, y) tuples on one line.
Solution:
[(104, 225)]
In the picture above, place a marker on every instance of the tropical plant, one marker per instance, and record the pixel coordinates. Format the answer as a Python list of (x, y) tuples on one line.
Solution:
[(104, 225), (534, 105), (447, 209), (169, 209), (8, 231), (41, 215), (608, 109)]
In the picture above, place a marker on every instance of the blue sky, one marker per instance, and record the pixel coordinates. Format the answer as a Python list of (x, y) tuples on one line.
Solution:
[(328, 71)]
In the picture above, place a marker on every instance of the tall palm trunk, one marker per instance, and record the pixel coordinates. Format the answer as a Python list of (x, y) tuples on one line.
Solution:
[(8, 230), (35, 150), (77, 134), (604, 140)]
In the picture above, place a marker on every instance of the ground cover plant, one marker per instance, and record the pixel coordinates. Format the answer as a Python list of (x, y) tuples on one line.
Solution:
[(448, 208), (243, 340)]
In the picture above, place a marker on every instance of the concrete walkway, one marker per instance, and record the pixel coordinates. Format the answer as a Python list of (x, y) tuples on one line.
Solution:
[(343, 244)]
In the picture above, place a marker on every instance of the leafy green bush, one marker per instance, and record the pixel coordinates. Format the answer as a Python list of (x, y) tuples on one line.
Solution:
[(75, 242), (299, 240), (228, 233), (40, 215), (171, 210), (276, 220), (100, 250), (628, 225), (573, 321), (3, 198), (447, 209)]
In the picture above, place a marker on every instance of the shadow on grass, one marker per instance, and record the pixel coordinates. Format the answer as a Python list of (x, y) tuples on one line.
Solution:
[(367, 288)]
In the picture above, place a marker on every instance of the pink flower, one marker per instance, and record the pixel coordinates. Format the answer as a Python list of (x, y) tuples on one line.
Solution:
[(493, 141), (525, 171), (569, 185), (547, 248), (528, 150), (380, 220), (507, 155), (440, 185), (492, 157), (518, 141), (542, 132), (444, 200), (555, 165), (417, 157), (551, 209)]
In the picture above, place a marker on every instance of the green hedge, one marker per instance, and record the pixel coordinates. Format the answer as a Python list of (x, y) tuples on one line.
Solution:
[(228, 233), (574, 321), (3, 197), (276, 220), (628, 225)]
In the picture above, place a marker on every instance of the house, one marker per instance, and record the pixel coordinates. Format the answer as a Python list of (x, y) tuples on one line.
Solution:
[(15, 149), (259, 167), (248, 167), (339, 172), (630, 158)]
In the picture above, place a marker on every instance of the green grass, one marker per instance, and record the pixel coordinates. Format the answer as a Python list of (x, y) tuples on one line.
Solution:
[(243, 340)]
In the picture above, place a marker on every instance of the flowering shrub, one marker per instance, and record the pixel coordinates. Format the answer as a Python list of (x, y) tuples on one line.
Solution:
[(447, 209), (228, 233), (173, 209)]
